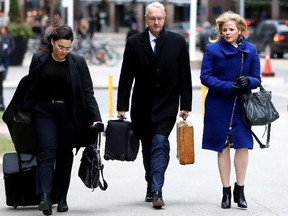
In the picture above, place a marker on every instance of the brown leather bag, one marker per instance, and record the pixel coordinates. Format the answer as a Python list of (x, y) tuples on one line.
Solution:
[(185, 143)]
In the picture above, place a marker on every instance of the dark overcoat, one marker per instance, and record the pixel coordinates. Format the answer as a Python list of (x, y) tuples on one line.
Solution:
[(160, 81), (84, 105), (221, 66)]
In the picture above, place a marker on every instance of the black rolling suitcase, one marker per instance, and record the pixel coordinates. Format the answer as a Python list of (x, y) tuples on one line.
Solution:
[(20, 180), (121, 142)]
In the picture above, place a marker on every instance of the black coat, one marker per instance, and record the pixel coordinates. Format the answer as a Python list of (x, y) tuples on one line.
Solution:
[(160, 82), (84, 105)]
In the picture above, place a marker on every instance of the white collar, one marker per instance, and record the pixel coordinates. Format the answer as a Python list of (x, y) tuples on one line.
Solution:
[(151, 37)]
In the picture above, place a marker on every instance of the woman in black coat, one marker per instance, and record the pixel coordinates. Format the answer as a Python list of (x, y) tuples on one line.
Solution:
[(58, 91)]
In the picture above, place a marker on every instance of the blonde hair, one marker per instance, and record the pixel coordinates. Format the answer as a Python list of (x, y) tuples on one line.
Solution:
[(229, 16)]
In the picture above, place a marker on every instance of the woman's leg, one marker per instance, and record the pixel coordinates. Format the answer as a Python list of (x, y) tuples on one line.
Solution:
[(47, 146), (241, 164), (224, 166)]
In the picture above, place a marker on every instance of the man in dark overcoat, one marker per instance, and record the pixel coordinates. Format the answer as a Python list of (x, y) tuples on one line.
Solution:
[(161, 74)]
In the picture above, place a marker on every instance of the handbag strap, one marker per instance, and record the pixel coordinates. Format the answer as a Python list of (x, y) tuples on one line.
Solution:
[(103, 186), (267, 139)]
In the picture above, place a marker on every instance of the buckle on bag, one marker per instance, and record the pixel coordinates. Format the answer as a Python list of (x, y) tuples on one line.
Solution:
[(57, 102)]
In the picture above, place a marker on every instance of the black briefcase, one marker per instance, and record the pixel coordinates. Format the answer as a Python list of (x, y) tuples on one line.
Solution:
[(121, 142), (20, 180)]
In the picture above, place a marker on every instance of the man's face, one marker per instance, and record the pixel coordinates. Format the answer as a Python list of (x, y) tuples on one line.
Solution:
[(155, 20)]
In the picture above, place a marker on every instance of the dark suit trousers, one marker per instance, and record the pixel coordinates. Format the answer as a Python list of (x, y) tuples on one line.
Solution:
[(54, 128), (155, 151), (156, 159)]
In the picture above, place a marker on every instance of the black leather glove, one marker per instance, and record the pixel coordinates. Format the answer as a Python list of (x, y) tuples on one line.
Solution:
[(236, 89), (243, 81), (99, 126)]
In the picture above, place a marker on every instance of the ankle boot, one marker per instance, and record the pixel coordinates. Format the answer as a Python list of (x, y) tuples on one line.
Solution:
[(239, 197), (45, 203), (226, 199)]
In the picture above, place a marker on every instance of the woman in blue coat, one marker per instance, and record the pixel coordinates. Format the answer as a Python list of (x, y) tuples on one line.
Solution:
[(230, 67)]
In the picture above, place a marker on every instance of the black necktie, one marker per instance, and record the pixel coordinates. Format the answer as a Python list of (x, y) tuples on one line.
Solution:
[(155, 47)]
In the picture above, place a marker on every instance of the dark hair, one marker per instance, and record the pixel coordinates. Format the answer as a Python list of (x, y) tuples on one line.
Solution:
[(57, 12), (57, 33)]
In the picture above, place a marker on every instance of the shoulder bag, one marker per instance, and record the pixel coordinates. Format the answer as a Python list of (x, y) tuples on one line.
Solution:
[(258, 109), (91, 167)]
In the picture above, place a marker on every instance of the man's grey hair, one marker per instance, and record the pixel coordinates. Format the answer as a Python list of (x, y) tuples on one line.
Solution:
[(155, 5)]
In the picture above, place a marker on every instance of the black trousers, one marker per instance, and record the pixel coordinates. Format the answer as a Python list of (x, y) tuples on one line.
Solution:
[(54, 129)]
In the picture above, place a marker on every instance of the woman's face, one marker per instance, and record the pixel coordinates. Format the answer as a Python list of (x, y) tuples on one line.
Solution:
[(61, 48), (230, 32)]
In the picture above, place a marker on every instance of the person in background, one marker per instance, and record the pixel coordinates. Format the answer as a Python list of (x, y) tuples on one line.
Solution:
[(36, 28), (132, 30), (7, 45), (162, 84), (58, 91), (57, 20), (230, 67), (205, 35), (83, 28)]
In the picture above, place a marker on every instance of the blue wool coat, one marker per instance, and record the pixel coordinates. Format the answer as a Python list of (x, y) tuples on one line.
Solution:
[(221, 66)]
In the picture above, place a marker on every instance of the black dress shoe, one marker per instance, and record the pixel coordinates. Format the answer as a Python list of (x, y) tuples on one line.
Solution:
[(158, 200), (62, 206), (149, 196), (48, 212), (45, 203)]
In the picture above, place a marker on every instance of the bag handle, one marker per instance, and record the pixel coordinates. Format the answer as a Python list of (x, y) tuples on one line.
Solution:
[(267, 140), (103, 186)]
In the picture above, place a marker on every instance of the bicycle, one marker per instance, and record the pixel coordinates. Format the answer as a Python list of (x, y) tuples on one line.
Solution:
[(103, 53)]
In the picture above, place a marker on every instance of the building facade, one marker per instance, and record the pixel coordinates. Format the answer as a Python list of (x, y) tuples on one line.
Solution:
[(118, 14)]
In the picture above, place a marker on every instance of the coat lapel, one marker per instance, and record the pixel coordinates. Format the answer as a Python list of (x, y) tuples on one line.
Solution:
[(146, 46)]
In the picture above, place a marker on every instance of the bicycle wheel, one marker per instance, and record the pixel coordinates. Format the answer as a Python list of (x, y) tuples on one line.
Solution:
[(110, 57), (88, 55)]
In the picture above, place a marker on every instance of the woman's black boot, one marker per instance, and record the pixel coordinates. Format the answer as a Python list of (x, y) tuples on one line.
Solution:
[(226, 199), (239, 197)]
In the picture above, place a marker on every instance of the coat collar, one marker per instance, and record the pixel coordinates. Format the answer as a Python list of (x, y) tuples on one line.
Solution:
[(145, 40), (230, 50)]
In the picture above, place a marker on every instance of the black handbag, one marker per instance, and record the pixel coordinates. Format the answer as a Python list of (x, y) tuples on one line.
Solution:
[(91, 167), (258, 110)]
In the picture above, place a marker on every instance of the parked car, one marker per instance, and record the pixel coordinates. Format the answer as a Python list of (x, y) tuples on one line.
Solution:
[(271, 36), (183, 28)]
